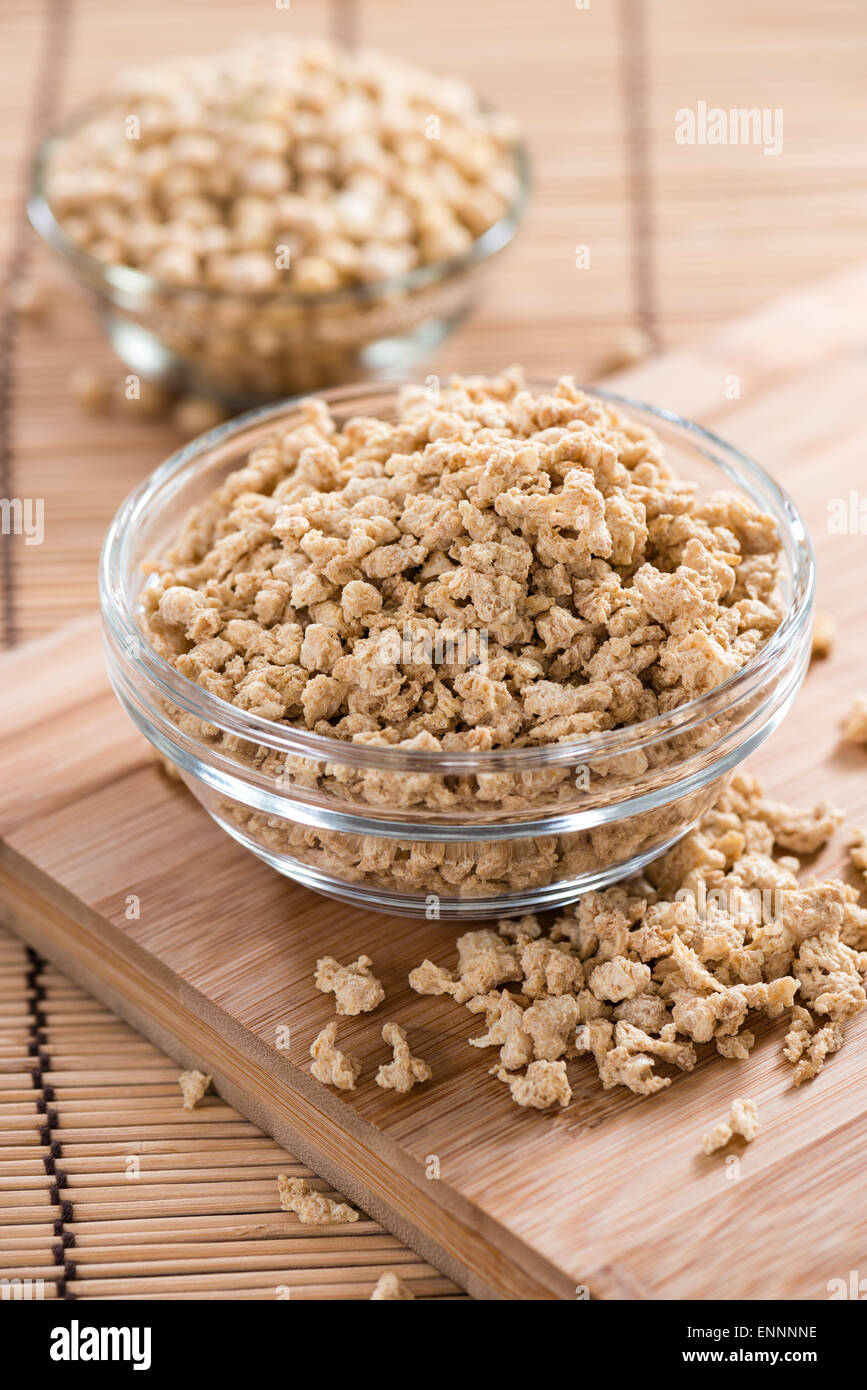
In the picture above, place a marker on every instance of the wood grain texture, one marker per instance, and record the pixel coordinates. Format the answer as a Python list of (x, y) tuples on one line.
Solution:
[(613, 1192)]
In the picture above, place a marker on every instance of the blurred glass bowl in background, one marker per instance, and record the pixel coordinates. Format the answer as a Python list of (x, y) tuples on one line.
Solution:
[(254, 347)]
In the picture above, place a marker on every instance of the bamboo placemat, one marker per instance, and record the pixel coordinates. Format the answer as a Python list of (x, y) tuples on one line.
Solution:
[(679, 240), (110, 1189)]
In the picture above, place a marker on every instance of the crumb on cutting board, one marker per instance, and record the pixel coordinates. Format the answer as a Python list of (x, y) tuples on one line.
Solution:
[(808, 1047), (743, 1120), (855, 723), (355, 988), (404, 1070), (637, 974), (824, 637), (542, 1085), (858, 849), (331, 1066)]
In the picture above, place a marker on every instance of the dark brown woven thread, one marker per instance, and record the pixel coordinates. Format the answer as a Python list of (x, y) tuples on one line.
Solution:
[(61, 1207), (636, 114), (345, 22), (55, 44)]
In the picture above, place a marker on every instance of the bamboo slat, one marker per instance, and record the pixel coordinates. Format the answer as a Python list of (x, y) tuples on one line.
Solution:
[(201, 1219)]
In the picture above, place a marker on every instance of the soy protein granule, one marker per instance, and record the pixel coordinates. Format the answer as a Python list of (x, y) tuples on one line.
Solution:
[(743, 1120), (311, 1207), (194, 1085), (636, 976), (390, 1288), (283, 166), (493, 568)]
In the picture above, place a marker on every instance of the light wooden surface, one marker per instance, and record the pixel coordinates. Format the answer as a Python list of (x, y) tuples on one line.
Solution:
[(727, 229), (110, 1189), (612, 1192)]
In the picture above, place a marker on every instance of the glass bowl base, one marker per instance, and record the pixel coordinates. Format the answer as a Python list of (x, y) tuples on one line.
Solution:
[(148, 355), (432, 907)]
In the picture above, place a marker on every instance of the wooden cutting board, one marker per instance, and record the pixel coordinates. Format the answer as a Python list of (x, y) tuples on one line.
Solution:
[(120, 878)]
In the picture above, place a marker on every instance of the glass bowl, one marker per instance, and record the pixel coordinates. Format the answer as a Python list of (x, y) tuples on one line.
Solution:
[(437, 834), (254, 347)]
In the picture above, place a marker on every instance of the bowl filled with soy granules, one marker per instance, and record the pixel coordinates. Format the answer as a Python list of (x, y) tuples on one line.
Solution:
[(277, 219), (464, 651)]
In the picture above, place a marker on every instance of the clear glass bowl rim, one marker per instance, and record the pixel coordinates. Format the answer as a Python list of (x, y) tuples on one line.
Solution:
[(128, 280), (118, 605)]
